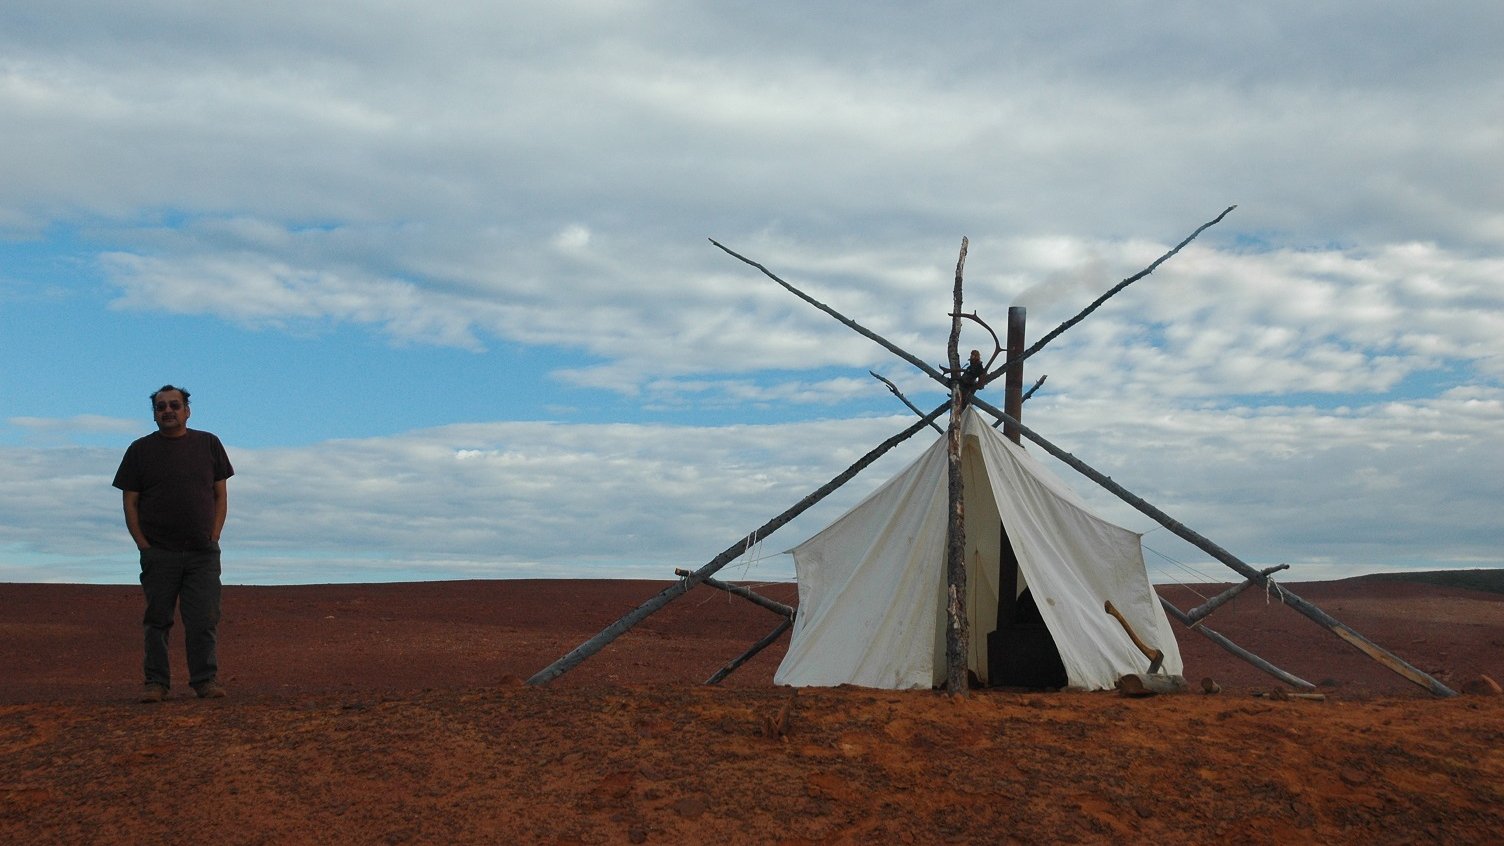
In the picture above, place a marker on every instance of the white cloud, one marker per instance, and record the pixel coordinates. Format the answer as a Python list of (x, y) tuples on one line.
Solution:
[(572, 239), (263, 290), (89, 423), (79, 429), (1376, 487), (603, 500), (544, 176)]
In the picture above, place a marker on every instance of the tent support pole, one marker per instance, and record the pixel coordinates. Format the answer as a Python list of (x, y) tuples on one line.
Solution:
[(957, 632), (903, 399), (737, 590), (843, 319), (757, 647), (756, 599), (1012, 360), (1222, 641), (1084, 313), (733, 552), (1205, 609), (1342, 630)]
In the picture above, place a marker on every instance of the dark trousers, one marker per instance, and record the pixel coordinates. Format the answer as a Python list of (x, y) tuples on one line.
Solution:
[(186, 582)]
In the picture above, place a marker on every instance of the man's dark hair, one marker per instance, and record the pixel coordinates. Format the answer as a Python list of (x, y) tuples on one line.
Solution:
[(183, 391)]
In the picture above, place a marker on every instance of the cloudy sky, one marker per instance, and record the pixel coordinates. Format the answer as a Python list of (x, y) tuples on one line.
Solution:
[(439, 274)]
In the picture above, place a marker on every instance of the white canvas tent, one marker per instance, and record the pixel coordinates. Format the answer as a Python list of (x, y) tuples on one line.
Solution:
[(872, 585), (870, 596)]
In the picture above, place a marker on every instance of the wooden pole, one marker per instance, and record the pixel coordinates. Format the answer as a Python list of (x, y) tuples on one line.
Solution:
[(957, 632), (903, 399), (1038, 345), (734, 664), (843, 319), (1201, 611), (733, 552), (737, 590), (1085, 312), (1222, 641), (1362, 644)]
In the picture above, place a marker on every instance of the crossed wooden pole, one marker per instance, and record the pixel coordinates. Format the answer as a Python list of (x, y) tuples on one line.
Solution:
[(957, 634)]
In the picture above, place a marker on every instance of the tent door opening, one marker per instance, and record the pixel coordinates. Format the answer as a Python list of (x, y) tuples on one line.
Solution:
[(1021, 652)]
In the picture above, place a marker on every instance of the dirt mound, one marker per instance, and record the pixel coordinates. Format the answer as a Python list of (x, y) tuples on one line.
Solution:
[(396, 713)]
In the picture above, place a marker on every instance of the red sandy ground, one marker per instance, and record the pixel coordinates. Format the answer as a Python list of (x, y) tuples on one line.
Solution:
[(396, 714)]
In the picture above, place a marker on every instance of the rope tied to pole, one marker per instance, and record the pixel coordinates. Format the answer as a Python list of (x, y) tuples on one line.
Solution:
[(1269, 584)]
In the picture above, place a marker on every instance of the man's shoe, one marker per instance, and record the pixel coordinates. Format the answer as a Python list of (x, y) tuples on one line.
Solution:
[(211, 690), (153, 693)]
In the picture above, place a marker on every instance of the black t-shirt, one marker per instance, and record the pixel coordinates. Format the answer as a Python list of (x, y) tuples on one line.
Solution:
[(175, 477)]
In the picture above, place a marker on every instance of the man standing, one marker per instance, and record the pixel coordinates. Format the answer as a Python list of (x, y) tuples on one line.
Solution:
[(173, 484)]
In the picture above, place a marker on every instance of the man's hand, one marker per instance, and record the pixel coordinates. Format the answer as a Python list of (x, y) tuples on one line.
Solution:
[(131, 500)]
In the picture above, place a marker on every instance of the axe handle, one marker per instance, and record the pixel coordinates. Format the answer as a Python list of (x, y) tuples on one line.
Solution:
[(1155, 656)]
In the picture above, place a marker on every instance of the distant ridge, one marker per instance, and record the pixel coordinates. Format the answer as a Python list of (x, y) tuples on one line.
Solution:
[(1487, 580)]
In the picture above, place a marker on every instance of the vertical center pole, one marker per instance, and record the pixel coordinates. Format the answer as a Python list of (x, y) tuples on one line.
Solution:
[(1013, 382), (957, 633), (1013, 403)]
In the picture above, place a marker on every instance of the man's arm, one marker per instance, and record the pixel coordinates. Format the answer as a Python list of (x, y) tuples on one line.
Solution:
[(221, 508), (132, 501)]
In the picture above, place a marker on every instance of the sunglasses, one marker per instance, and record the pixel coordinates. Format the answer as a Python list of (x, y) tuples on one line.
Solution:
[(175, 405)]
